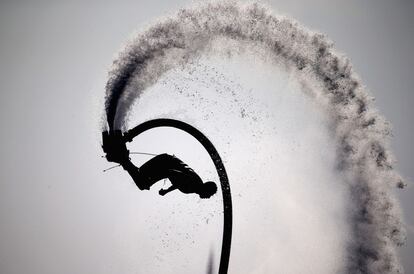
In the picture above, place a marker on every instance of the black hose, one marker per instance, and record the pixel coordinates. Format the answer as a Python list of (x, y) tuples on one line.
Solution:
[(224, 181)]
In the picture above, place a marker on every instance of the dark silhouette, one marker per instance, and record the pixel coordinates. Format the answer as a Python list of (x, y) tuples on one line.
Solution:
[(163, 166), (115, 148)]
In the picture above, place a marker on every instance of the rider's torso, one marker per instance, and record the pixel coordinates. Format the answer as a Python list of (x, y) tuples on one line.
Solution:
[(161, 167)]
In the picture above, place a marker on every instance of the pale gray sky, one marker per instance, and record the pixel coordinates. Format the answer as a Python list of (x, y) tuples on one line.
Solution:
[(54, 57)]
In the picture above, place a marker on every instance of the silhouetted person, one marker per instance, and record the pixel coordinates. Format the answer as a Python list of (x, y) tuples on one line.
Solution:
[(163, 166)]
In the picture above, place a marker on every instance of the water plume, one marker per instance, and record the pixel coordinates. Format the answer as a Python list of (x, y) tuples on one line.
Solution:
[(359, 131)]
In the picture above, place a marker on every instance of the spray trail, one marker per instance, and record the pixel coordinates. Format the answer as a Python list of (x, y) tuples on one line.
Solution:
[(360, 132)]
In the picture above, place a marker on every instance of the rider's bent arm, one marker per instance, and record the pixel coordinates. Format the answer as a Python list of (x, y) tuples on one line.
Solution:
[(162, 192)]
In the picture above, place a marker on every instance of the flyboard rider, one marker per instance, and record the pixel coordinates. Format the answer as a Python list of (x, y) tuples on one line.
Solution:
[(163, 166)]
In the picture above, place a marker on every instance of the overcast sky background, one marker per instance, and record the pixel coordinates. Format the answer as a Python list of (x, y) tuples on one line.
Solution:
[(54, 57)]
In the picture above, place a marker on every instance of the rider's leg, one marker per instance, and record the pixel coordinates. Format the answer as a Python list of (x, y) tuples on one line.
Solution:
[(136, 176)]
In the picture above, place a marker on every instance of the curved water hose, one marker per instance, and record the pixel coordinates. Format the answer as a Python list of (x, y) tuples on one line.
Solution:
[(224, 181)]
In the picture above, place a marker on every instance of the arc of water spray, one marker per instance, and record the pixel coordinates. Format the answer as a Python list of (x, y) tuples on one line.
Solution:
[(360, 132)]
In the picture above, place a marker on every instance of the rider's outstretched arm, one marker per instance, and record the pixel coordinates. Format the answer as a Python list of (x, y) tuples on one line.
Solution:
[(162, 192)]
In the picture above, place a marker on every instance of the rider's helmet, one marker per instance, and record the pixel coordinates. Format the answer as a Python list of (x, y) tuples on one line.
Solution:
[(208, 189)]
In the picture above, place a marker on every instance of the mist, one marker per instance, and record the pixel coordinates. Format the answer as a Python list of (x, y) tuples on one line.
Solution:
[(351, 133), (279, 156), (61, 214)]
